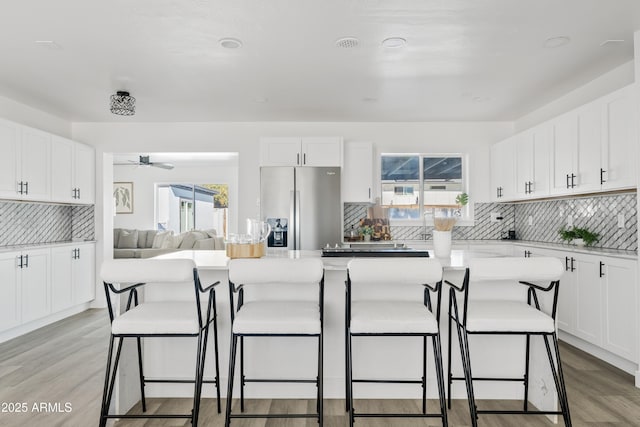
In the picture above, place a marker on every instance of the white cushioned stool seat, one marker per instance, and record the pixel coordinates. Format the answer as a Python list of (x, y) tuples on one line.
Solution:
[(158, 318), (278, 317), (507, 316), (383, 317)]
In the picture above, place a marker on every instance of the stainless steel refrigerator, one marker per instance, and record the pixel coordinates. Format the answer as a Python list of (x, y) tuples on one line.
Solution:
[(302, 204)]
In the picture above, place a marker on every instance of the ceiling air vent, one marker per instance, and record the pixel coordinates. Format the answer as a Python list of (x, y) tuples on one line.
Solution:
[(347, 42)]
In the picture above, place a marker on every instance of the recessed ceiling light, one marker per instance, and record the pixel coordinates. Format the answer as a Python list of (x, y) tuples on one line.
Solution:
[(48, 44), (230, 43), (394, 43), (347, 42), (369, 99), (611, 41), (480, 99), (555, 42), (261, 100)]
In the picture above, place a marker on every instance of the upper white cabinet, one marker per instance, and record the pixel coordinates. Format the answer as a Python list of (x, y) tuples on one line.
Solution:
[(357, 176), (532, 162), (589, 149), (620, 139), (73, 172), (39, 166), (503, 170), (25, 163), (295, 151)]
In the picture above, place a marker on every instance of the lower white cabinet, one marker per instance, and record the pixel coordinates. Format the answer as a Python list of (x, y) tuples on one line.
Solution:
[(597, 300), (43, 281)]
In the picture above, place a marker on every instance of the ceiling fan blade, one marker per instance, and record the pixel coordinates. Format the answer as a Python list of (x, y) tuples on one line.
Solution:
[(167, 166)]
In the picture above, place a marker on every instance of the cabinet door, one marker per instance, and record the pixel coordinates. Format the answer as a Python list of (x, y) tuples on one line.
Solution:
[(280, 152), (564, 147), (10, 298), (36, 164), (61, 278), (589, 299), (9, 160), (85, 172), (541, 136), (35, 284), (567, 297), (524, 165), (322, 151), (508, 158), (62, 170), (589, 142), (496, 172), (620, 301), (84, 282), (620, 139), (357, 176)]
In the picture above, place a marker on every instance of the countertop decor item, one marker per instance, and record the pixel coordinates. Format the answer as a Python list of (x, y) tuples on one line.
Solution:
[(367, 232), (444, 218), (578, 236)]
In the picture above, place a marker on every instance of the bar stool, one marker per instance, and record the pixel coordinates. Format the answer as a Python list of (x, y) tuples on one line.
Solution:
[(164, 319), (508, 317), (375, 309), (274, 317)]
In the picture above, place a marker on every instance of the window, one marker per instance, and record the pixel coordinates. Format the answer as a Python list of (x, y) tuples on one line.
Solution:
[(412, 184), (185, 207)]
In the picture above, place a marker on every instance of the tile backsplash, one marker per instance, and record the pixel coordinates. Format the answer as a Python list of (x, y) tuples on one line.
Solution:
[(24, 223), (596, 213)]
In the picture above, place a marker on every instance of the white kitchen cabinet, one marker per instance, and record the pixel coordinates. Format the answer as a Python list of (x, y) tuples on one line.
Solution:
[(301, 151), (357, 175), (35, 284), (61, 277), (83, 272), (564, 151), (589, 296), (589, 145), (9, 160), (25, 168), (10, 297), (72, 172), (503, 170), (532, 163), (620, 139), (620, 296)]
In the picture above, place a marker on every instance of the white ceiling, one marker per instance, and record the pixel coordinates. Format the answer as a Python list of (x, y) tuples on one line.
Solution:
[(464, 59)]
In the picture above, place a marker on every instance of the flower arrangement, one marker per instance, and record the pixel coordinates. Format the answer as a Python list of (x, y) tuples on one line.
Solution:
[(445, 218), (366, 230)]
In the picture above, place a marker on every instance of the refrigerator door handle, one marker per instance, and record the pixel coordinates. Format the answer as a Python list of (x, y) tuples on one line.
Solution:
[(296, 219)]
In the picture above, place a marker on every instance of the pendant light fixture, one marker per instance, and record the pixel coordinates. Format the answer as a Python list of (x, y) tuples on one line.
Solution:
[(123, 104)]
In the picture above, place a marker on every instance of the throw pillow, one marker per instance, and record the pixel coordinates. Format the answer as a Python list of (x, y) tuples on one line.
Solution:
[(211, 233), (160, 238), (128, 239), (151, 235), (173, 242), (142, 238)]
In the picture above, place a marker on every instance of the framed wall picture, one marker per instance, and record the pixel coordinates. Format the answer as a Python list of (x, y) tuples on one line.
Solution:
[(123, 197)]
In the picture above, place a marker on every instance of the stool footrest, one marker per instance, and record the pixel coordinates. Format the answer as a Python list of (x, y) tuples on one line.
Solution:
[(273, 415), (277, 380), (373, 415), (148, 416), (388, 381), (178, 381), (488, 379), (505, 412)]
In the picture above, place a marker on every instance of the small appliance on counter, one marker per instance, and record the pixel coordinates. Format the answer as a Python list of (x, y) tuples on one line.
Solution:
[(508, 235)]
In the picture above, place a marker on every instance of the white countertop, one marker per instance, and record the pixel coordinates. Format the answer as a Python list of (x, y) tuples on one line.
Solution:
[(30, 246)]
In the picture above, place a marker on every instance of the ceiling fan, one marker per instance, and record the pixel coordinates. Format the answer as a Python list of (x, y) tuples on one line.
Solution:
[(144, 161)]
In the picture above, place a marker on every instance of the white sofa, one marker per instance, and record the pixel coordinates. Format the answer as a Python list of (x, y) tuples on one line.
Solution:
[(148, 243)]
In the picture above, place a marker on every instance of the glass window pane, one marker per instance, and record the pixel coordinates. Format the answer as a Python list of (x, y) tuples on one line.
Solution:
[(442, 169), (400, 168)]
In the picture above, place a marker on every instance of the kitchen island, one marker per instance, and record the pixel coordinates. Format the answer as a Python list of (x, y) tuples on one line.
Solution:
[(491, 356)]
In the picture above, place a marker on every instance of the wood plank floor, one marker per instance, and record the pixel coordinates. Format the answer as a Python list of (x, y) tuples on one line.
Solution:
[(64, 363)]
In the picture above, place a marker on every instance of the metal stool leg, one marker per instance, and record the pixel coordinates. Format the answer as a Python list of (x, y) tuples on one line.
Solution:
[(437, 352), (449, 374), (215, 343), (558, 378), (241, 374), (142, 398), (105, 404), (468, 377), (526, 373), (350, 382), (232, 363), (424, 374), (320, 380), (198, 382)]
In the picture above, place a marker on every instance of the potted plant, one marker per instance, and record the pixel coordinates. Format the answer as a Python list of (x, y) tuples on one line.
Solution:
[(578, 236), (367, 232)]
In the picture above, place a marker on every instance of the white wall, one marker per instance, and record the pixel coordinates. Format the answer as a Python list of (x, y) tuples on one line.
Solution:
[(144, 179), (615, 79), (29, 116)]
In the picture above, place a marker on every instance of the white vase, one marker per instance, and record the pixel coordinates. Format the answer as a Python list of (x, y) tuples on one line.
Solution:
[(442, 243), (367, 237)]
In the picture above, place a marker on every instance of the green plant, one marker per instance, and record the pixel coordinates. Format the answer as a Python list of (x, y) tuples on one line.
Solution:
[(579, 233), (462, 199), (366, 230)]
